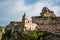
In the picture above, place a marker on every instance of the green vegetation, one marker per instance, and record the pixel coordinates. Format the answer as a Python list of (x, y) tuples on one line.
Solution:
[(38, 17), (53, 18), (30, 35)]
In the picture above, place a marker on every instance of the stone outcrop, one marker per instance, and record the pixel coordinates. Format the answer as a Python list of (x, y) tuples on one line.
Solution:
[(48, 21), (2, 31), (47, 13)]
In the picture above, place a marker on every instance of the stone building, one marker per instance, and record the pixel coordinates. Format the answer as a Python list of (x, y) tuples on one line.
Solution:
[(48, 21), (24, 25), (28, 25)]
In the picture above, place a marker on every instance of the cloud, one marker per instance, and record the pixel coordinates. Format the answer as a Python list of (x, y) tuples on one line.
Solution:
[(12, 10), (37, 7)]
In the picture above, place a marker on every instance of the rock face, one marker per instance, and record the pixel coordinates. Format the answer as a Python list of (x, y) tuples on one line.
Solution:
[(47, 13), (2, 29), (47, 21)]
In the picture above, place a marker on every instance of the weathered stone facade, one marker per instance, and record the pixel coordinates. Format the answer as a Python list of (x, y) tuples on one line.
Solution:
[(24, 25), (48, 21)]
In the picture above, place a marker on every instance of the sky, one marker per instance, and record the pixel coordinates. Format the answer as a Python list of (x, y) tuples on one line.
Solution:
[(13, 10)]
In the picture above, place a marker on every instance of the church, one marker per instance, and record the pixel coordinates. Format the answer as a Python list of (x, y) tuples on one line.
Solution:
[(24, 25)]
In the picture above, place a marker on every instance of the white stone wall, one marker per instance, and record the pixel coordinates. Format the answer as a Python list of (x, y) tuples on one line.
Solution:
[(30, 26)]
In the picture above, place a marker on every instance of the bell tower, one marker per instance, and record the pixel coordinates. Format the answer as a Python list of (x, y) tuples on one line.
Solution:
[(24, 19)]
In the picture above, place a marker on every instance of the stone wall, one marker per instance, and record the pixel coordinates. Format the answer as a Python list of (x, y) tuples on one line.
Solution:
[(47, 21), (49, 28)]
